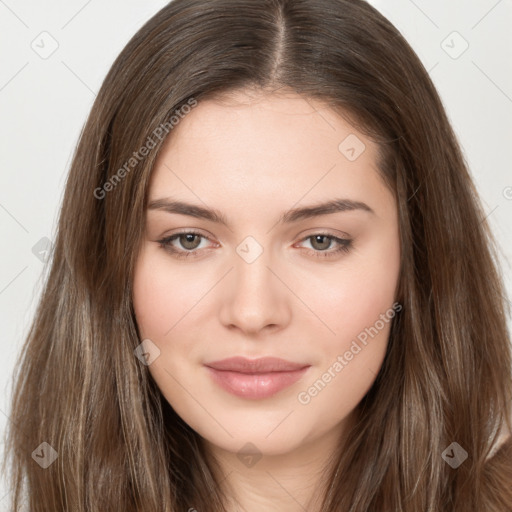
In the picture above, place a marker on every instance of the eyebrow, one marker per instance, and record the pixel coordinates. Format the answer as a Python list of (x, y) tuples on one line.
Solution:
[(293, 215)]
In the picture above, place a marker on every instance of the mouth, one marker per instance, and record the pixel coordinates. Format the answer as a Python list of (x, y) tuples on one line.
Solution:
[(255, 378)]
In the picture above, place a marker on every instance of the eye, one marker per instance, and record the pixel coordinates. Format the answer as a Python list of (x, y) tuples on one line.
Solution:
[(323, 241), (189, 241)]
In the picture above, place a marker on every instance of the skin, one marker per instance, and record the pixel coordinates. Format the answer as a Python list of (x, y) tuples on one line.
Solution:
[(253, 156)]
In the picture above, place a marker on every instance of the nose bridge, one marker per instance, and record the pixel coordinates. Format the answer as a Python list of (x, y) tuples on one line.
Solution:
[(254, 277), (256, 297)]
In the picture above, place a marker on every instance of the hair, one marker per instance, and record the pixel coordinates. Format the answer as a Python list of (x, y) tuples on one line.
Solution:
[(447, 373)]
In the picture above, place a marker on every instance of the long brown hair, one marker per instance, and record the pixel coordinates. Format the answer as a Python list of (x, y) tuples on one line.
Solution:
[(447, 374)]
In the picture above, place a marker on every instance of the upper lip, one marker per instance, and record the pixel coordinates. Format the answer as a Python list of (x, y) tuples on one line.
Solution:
[(261, 365)]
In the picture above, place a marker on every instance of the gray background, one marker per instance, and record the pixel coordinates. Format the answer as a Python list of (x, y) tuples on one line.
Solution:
[(45, 98)]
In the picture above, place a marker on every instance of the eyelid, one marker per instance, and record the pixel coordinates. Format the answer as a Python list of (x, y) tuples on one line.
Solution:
[(189, 231), (303, 236), (344, 243), (165, 243), (334, 233)]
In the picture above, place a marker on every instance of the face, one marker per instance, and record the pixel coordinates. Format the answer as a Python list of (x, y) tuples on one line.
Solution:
[(240, 259)]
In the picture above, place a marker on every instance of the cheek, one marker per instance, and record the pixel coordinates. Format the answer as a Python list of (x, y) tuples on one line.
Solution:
[(162, 297), (152, 302), (359, 310), (350, 297), (164, 303)]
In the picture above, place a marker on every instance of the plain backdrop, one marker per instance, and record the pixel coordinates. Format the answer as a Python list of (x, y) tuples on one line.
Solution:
[(54, 56)]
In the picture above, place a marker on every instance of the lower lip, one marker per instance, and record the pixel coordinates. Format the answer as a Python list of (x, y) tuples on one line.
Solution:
[(255, 386)]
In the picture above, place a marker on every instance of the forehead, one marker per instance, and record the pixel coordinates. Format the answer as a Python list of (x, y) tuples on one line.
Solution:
[(247, 144), (277, 119)]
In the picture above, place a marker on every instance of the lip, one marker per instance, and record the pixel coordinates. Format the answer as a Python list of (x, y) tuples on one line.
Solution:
[(255, 378)]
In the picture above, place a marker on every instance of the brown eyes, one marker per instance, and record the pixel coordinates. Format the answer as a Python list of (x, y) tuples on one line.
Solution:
[(191, 240)]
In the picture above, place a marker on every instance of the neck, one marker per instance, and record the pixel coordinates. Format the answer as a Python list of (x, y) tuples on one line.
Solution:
[(284, 482)]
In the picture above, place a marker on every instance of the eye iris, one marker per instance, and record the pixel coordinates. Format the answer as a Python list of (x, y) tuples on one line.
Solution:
[(188, 238), (327, 242)]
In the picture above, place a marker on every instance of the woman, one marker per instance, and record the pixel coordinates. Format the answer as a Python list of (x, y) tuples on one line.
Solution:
[(272, 287)]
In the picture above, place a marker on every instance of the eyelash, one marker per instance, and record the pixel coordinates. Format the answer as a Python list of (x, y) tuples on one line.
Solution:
[(345, 245)]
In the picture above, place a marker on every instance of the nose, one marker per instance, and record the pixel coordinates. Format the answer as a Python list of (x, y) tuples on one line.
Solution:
[(255, 300)]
